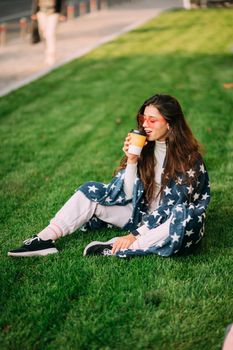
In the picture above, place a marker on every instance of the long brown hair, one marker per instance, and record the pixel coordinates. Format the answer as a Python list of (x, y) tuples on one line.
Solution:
[(182, 147)]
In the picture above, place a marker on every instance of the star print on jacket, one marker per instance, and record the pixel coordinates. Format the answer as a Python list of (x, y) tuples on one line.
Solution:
[(185, 203)]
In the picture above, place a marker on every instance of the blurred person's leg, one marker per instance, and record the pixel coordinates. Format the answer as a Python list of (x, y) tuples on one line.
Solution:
[(50, 37), (41, 18), (228, 342)]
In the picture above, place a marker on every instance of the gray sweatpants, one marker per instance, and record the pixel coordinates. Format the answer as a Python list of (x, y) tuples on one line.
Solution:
[(79, 209)]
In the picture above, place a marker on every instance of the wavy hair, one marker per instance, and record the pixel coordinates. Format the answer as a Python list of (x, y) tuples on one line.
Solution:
[(182, 147)]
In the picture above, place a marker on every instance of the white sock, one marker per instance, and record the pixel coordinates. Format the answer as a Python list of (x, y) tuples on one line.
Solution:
[(52, 231)]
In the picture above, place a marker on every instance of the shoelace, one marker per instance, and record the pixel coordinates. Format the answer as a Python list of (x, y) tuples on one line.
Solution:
[(30, 240), (107, 252)]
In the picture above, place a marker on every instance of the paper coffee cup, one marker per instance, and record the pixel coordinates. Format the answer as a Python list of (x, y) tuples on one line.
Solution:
[(137, 142)]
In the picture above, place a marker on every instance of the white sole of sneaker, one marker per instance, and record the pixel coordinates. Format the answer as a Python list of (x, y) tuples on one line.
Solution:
[(43, 252), (111, 241)]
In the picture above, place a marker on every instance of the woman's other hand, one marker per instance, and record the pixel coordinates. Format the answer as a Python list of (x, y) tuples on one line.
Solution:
[(123, 243), (132, 158)]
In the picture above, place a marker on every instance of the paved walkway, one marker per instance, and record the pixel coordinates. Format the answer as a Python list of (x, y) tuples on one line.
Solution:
[(21, 62)]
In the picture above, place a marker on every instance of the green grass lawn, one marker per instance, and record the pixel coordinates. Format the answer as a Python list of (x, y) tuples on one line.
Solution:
[(68, 128)]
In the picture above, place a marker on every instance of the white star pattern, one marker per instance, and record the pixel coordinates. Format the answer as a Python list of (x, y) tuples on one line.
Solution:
[(167, 211), (170, 202), (120, 199), (205, 196), (188, 244), (190, 189), (108, 200), (105, 186), (189, 218), (160, 244), (175, 238), (191, 173), (109, 226), (199, 218), (167, 190), (173, 221), (189, 233), (179, 181), (202, 169), (196, 196), (155, 213), (179, 209), (92, 189), (113, 186)]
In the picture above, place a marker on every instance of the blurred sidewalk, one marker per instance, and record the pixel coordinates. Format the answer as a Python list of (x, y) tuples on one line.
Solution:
[(21, 62)]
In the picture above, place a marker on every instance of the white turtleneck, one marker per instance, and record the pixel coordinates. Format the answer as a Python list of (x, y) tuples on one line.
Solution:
[(131, 172)]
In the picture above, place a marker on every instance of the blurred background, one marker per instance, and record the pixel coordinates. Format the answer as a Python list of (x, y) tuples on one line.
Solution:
[(15, 14)]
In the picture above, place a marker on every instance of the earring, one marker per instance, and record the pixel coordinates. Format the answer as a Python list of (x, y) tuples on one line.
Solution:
[(168, 126)]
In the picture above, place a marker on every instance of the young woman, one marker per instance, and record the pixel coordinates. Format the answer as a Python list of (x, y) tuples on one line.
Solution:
[(159, 197)]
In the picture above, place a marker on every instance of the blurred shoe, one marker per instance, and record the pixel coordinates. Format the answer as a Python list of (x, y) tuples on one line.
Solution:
[(34, 246), (102, 248)]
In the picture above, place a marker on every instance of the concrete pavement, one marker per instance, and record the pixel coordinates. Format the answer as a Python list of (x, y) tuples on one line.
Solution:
[(21, 62)]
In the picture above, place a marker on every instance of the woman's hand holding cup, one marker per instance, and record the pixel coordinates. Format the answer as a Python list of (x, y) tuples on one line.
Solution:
[(132, 158), (133, 145)]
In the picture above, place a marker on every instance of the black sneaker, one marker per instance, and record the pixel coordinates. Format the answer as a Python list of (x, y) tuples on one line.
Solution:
[(34, 246), (103, 248)]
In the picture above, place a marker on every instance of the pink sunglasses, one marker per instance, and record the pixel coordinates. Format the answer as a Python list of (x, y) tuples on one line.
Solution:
[(150, 120)]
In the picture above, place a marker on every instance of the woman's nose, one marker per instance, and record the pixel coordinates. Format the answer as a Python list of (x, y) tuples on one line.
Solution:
[(145, 124)]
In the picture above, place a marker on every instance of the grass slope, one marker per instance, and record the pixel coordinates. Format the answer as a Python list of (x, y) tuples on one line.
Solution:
[(67, 128)]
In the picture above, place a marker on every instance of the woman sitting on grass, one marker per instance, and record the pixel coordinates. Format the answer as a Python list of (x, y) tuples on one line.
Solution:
[(159, 197)]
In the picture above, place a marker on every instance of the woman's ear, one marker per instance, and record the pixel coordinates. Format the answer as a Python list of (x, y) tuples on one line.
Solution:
[(168, 126)]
